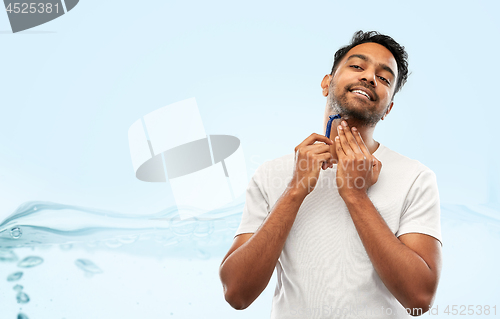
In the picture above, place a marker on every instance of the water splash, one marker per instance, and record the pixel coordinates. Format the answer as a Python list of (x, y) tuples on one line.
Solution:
[(113, 243), (104, 229), (166, 234), (128, 239), (202, 254), (162, 233), (66, 247), (22, 316), (15, 276), (183, 228), (30, 262)]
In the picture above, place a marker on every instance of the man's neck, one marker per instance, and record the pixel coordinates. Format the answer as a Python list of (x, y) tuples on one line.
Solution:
[(366, 134)]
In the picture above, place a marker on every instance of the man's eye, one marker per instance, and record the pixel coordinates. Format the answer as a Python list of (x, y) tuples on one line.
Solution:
[(356, 67), (385, 80)]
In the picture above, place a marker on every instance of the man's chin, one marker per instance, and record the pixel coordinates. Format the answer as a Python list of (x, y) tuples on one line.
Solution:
[(355, 109), (355, 100), (353, 113)]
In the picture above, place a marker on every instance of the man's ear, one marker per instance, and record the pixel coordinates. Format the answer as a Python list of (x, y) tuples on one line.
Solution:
[(388, 110), (325, 84)]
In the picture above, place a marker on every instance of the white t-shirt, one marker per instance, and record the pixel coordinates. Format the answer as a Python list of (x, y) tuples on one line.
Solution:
[(324, 270)]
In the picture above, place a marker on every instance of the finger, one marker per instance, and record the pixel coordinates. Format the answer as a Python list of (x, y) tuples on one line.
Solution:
[(327, 164), (326, 157), (317, 148), (377, 164), (312, 139), (376, 168), (361, 143), (351, 139), (330, 161), (338, 147), (332, 151), (323, 159), (343, 141)]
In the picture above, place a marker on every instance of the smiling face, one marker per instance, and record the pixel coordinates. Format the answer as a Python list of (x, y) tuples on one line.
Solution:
[(363, 85)]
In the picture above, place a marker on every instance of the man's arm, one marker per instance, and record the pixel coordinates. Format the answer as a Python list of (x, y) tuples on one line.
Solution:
[(248, 266), (246, 269), (409, 266)]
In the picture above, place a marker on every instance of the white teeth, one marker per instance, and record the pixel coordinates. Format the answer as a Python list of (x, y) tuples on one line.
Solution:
[(361, 92)]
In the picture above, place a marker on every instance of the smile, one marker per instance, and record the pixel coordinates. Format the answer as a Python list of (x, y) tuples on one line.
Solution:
[(362, 93)]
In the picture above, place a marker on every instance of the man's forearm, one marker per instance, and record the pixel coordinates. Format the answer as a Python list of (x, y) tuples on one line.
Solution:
[(403, 271), (246, 271)]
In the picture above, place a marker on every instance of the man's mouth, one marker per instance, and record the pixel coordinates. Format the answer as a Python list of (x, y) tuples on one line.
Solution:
[(363, 93)]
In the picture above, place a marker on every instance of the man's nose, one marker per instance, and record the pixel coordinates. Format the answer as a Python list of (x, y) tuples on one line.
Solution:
[(369, 77)]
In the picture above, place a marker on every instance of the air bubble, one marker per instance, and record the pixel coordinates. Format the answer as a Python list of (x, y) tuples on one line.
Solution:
[(22, 297), (18, 288), (15, 276), (30, 262), (88, 266), (16, 233)]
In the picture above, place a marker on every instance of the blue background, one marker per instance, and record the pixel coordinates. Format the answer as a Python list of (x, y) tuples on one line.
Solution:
[(72, 87)]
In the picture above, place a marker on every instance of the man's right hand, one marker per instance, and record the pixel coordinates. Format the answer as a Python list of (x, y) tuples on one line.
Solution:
[(248, 266), (309, 159)]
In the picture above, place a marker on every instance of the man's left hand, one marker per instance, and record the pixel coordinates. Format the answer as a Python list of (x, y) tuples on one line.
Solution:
[(357, 168)]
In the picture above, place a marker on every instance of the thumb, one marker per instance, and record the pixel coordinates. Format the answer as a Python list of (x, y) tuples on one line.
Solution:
[(377, 165)]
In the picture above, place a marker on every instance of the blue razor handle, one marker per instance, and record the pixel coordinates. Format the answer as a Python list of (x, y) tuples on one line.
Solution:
[(329, 125)]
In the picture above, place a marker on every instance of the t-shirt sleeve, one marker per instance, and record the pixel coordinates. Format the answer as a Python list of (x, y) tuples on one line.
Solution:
[(421, 209), (256, 203)]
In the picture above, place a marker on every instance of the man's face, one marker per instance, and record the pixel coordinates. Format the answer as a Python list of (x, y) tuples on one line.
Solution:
[(363, 84)]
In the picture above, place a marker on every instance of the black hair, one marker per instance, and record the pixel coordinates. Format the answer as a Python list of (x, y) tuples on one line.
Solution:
[(397, 50)]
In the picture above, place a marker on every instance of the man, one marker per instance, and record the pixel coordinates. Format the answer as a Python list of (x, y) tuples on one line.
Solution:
[(352, 227)]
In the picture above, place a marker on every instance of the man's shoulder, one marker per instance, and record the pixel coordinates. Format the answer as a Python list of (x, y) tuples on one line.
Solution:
[(282, 161), (280, 165), (400, 163)]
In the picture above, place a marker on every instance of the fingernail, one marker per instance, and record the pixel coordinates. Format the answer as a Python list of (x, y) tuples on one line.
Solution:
[(340, 127), (354, 129), (344, 123)]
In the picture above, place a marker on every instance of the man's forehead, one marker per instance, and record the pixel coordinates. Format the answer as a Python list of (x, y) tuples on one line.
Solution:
[(373, 52)]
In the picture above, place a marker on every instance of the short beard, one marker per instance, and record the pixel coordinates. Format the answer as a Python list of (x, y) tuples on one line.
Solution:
[(340, 105)]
